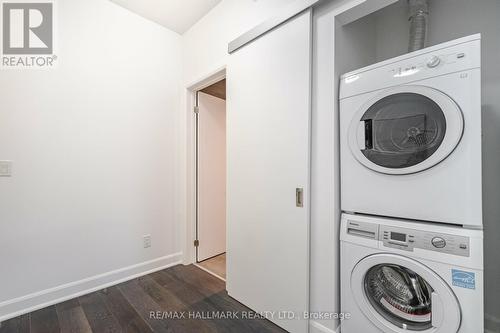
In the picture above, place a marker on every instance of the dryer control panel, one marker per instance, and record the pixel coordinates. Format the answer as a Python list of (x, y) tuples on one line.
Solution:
[(452, 57), (408, 240)]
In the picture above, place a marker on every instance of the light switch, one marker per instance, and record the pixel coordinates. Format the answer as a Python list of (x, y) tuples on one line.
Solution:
[(5, 168)]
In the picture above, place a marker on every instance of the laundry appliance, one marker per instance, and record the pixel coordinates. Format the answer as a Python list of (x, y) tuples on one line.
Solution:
[(411, 136), (402, 277)]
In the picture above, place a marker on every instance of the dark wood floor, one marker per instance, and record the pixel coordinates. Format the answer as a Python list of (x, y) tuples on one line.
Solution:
[(127, 308)]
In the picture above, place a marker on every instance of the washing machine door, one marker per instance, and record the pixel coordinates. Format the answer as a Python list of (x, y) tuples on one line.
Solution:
[(398, 294), (405, 130)]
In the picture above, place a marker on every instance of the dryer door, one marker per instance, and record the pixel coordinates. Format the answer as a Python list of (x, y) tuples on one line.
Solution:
[(405, 130), (400, 295)]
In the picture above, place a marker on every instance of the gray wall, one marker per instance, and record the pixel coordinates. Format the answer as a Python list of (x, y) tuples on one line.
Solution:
[(386, 36), (450, 19)]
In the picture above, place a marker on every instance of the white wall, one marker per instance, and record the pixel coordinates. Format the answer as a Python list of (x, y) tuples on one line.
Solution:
[(94, 147), (205, 44)]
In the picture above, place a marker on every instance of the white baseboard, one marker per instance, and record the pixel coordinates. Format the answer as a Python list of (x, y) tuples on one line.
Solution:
[(315, 327), (41, 299)]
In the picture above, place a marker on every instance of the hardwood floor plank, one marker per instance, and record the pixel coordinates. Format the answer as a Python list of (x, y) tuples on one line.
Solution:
[(72, 318), (144, 305), (67, 305), (195, 301), (226, 303), (127, 316), (199, 299), (162, 296), (98, 314), (45, 321), (171, 303), (16, 325), (204, 282), (179, 288), (206, 293)]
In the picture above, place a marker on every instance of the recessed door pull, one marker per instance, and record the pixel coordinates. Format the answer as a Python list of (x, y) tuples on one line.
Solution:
[(299, 197)]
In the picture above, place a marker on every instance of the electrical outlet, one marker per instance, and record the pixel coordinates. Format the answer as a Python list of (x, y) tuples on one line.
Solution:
[(5, 168), (146, 240)]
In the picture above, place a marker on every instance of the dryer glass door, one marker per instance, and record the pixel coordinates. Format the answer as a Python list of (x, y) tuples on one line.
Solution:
[(403, 130), (406, 130)]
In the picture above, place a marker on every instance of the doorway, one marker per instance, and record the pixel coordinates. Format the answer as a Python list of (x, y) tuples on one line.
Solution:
[(211, 178)]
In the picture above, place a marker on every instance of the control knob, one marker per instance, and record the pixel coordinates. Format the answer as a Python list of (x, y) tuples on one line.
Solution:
[(438, 242), (434, 61)]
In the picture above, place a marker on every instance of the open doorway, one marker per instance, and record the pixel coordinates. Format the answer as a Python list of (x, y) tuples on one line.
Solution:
[(211, 179)]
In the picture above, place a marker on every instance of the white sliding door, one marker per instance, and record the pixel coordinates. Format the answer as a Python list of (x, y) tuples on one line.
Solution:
[(268, 137)]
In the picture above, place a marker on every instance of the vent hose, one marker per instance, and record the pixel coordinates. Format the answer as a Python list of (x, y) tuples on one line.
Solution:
[(419, 12)]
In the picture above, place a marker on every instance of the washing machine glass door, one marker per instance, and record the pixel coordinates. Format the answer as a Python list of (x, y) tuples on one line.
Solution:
[(401, 295), (406, 130)]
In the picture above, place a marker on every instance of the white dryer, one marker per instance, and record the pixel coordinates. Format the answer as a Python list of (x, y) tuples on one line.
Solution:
[(411, 136), (402, 277)]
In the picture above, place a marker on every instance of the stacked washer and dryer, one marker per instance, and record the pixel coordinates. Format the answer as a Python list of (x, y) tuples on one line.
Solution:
[(411, 193)]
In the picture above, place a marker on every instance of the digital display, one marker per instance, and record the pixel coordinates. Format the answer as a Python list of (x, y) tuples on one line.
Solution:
[(398, 237)]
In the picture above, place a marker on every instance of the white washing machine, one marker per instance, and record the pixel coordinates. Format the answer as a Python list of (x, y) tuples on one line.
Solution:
[(411, 136), (402, 277)]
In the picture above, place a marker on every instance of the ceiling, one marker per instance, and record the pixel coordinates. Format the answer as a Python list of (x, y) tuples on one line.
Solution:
[(176, 15)]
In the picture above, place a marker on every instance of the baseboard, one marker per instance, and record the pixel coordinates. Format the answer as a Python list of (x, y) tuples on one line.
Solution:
[(315, 327), (41, 299), (491, 323)]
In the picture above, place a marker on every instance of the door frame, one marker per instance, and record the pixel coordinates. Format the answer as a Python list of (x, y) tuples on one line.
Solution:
[(189, 228)]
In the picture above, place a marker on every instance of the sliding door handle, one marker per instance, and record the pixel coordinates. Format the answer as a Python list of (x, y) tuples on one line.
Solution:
[(299, 197)]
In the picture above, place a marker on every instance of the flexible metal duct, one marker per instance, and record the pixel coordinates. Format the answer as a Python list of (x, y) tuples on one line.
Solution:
[(419, 12)]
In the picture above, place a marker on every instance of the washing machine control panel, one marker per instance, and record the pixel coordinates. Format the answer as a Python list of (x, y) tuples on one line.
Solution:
[(438, 242), (409, 240)]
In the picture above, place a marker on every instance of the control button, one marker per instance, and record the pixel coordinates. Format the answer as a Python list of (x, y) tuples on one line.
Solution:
[(463, 246), (433, 62), (438, 242)]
